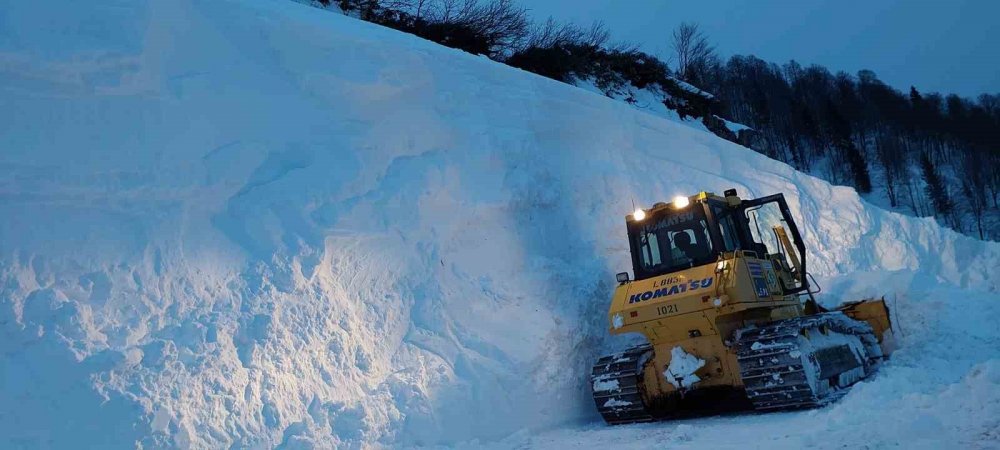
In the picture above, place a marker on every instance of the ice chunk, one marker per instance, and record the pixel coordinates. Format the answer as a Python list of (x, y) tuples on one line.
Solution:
[(606, 385), (614, 403), (761, 346), (683, 365)]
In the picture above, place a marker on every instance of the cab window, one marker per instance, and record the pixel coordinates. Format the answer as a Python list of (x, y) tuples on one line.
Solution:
[(673, 241)]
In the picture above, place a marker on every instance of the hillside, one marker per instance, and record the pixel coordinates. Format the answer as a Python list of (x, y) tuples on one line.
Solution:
[(253, 224), (923, 154)]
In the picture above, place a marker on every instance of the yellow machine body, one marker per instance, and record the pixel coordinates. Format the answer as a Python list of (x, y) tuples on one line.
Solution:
[(699, 309), (695, 309)]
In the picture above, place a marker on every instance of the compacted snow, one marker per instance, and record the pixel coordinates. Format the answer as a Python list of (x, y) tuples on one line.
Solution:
[(683, 365), (253, 224)]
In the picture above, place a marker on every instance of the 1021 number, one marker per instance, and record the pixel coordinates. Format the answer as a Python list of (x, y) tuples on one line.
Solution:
[(666, 309)]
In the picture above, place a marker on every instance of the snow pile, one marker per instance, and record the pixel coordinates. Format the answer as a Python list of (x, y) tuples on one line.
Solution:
[(256, 224), (683, 365)]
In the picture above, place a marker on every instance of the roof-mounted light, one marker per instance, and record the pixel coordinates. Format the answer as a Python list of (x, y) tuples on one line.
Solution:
[(638, 214), (681, 202)]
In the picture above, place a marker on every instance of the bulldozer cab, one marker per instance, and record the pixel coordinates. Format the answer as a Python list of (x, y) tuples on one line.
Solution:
[(701, 229), (671, 240)]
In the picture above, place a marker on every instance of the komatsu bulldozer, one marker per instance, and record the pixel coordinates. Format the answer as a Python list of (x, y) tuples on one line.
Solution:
[(722, 296)]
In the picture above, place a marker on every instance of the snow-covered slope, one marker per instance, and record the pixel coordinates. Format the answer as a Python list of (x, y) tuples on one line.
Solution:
[(256, 224)]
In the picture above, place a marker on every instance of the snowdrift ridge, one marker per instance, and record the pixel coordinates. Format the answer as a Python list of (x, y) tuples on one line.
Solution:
[(256, 224)]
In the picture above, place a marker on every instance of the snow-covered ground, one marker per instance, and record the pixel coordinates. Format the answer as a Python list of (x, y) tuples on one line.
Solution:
[(255, 224), (940, 390)]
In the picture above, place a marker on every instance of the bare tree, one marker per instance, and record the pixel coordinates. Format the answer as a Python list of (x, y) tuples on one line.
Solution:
[(451, 11), (422, 7), (554, 34), (397, 5), (991, 103), (504, 23), (691, 48), (597, 35)]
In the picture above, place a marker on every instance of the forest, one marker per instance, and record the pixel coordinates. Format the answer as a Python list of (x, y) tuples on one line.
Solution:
[(930, 154), (925, 154)]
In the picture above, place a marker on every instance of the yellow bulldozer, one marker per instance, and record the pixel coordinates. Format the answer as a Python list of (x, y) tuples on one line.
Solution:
[(722, 296)]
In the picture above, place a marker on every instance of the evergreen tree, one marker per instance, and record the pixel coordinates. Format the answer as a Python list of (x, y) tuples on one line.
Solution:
[(840, 136), (859, 168), (934, 186)]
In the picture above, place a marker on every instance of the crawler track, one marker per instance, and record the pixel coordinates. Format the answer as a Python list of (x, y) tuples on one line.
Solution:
[(805, 361), (617, 384)]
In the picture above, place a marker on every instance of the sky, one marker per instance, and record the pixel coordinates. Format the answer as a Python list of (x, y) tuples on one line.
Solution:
[(937, 46)]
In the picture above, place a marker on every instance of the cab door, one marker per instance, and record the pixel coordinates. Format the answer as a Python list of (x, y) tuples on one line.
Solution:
[(763, 215)]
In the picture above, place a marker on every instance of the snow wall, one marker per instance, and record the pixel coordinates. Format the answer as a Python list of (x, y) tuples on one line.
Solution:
[(256, 224)]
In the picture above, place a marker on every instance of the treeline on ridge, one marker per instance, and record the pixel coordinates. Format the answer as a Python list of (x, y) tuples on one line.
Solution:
[(930, 154), (502, 31)]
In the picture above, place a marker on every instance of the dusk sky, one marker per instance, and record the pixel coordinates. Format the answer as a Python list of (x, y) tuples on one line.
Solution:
[(943, 46)]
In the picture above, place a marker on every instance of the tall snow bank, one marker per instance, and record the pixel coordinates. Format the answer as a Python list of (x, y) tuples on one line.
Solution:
[(256, 224)]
